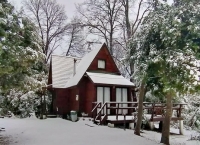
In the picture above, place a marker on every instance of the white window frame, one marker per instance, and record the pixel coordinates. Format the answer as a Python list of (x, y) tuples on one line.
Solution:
[(103, 96), (122, 96), (101, 64)]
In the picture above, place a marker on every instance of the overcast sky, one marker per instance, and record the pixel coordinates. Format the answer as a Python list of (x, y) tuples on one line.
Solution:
[(69, 8), (69, 5), (70, 11)]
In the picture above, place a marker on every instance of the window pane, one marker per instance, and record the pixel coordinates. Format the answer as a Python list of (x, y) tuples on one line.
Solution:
[(119, 98), (99, 96), (125, 99), (101, 64), (107, 98)]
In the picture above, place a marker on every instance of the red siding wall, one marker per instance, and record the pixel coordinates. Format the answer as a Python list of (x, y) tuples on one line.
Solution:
[(61, 101), (90, 97), (82, 93), (74, 104), (65, 100)]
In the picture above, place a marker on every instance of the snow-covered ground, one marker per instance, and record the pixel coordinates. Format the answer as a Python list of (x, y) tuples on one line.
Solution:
[(175, 137), (56, 131)]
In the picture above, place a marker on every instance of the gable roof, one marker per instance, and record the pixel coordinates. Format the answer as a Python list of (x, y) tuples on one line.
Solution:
[(62, 70), (83, 66), (63, 67), (110, 79)]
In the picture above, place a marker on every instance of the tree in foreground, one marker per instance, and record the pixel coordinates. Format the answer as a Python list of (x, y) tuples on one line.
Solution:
[(167, 49), (21, 58)]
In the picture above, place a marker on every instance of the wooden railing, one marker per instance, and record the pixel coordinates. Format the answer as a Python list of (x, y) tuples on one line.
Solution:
[(94, 110), (99, 113), (159, 109), (110, 106), (153, 108)]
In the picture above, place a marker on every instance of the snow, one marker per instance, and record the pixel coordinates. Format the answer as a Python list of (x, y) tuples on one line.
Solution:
[(175, 137), (2, 20), (83, 66), (1, 9), (58, 131), (120, 117), (52, 131), (62, 70), (102, 78)]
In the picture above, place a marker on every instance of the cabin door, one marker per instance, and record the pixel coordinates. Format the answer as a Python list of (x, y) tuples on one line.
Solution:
[(122, 96), (103, 95)]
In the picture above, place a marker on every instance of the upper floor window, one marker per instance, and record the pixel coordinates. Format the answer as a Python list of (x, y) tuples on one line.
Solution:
[(101, 64)]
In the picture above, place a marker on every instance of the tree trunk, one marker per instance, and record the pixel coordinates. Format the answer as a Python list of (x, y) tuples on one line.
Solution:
[(132, 70), (128, 32), (111, 41), (140, 109), (128, 25), (166, 123), (45, 112), (52, 101), (41, 108)]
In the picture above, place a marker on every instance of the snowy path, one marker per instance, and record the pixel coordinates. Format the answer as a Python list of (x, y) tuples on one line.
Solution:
[(57, 131)]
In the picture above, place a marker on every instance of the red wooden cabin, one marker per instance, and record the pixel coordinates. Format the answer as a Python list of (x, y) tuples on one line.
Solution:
[(75, 84)]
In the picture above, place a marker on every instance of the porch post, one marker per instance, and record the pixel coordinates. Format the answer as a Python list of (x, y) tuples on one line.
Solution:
[(181, 127), (113, 99), (151, 125)]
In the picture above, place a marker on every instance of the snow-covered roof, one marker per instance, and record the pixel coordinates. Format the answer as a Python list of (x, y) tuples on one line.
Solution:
[(83, 66), (63, 77), (62, 70), (111, 79)]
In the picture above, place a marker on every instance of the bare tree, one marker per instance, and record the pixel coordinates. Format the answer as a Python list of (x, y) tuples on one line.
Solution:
[(130, 27), (129, 30), (101, 18), (50, 18), (76, 39)]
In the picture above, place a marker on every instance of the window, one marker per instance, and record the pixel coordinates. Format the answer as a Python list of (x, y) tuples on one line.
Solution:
[(103, 95), (101, 64), (122, 96)]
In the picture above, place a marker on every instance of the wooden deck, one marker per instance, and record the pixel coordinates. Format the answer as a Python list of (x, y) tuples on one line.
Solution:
[(156, 112), (120, 119)]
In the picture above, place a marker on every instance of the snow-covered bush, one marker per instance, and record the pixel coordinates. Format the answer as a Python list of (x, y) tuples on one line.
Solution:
[(23, 72), (22, 104), (191, 112)]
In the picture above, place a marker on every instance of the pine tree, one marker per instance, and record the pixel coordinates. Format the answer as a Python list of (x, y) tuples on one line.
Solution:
[(19, 52), (22, 69), (167, 49)]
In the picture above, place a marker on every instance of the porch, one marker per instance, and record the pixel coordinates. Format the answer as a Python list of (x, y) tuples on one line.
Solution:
[(125, 112)]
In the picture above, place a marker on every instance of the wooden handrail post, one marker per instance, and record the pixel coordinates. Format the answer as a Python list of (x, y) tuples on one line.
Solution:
[(106, 108), (117, 111), (124, 121), (152, 113), (180, 109)]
